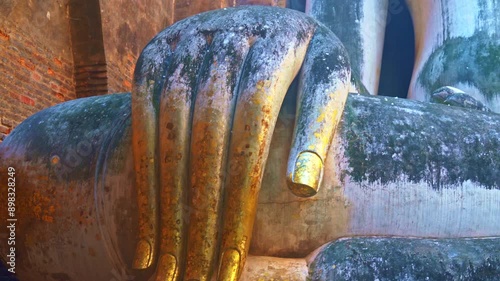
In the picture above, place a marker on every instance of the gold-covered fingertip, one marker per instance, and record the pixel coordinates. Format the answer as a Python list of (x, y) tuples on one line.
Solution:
[(167, 268), (143, 255), (229, 266), (307, 174)]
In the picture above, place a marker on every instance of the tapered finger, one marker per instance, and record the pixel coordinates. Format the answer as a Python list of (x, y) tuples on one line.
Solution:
[(174, 131), (149, 77), (323, 89), (148, 80), (271, 66), (212, 118)]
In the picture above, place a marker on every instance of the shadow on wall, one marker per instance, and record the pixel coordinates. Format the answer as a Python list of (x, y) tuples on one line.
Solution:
[(5, 275), (399, 51)]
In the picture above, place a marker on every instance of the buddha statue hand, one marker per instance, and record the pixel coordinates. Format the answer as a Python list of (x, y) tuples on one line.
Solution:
[(206, 97)]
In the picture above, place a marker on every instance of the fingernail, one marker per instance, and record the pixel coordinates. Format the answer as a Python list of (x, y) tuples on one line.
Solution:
[(307, 174), (143, 255), (230, 266), (167, 268)]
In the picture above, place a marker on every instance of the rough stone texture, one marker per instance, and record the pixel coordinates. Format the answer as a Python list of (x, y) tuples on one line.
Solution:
[(408, 259), (455, 97), (481, 55), (360, 26), (74, 175), (402, 146), (35, 59), (457, 45), (354, 173)]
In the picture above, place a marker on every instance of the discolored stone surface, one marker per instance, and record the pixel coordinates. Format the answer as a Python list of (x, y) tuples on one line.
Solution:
[(440, 145), (480, 54), (360, 26), (408, 259), (288, 226)]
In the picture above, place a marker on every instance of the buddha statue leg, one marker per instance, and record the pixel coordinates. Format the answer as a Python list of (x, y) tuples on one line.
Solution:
[(457, 44), (399, 258)]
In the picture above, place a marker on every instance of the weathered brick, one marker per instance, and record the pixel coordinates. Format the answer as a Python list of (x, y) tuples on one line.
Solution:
[(59, 96), (26, 63), (127, 85), (7, 122), (26, 100), (37, 66), (36, 76), (4, 129), (58, 62), (14, 96), (54, 86), (4, 35)]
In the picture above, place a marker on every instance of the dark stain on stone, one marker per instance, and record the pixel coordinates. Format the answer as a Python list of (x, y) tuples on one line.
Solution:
[(128, 39)]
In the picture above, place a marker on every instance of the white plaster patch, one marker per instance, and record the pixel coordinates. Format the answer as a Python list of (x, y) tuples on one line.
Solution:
[(462, 17), (415, 209)]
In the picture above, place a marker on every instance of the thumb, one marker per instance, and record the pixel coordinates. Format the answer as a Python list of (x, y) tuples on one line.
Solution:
[(323, 89)]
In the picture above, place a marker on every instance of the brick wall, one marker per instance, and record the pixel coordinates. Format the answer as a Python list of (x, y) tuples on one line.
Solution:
[(35, 59), (45, 45), (128, 25)]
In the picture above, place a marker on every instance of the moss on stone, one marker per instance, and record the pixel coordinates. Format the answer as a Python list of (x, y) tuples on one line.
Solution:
[(390, 139), (73, 132), (343, 18), (473, 60), (408, 259)]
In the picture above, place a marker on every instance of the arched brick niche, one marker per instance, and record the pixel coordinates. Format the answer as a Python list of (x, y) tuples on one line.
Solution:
[(88, 48)]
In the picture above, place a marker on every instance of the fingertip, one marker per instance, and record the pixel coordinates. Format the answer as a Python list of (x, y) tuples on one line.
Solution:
[(229, 266), (143, 255), (167, 268), (322, 93), (307, 173)]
